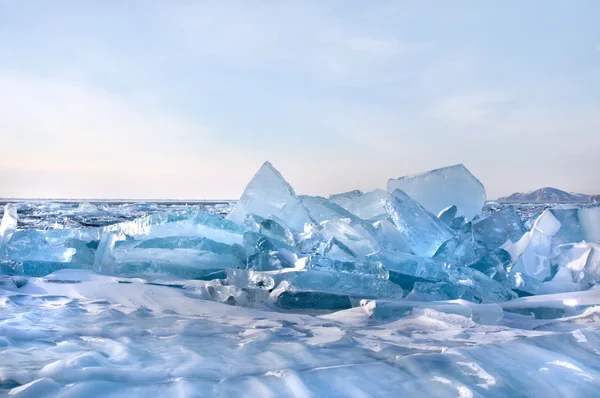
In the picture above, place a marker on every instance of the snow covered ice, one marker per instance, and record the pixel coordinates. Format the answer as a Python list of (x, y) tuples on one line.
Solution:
[(419, 290)]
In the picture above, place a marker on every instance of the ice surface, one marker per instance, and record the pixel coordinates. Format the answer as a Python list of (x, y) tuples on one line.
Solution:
[(358, 298), (424, 232), (437, 189), (136, 339), (268, 193)]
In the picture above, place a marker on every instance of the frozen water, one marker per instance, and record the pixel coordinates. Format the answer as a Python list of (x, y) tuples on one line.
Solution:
[(424, 232), (268, 193), (136, 339), (448, 214), (437, 189), (498, 228), (533, 251), (341, 199), (9, 223), (368, 206), (355, 295)]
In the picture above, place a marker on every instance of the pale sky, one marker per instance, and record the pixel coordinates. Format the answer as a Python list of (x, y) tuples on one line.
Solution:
[(186, 99)]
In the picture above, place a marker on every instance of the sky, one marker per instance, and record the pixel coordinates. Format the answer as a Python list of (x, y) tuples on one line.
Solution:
[(186, 99)]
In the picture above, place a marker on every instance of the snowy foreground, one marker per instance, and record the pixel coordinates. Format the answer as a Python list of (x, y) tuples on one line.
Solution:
[(418, 289)]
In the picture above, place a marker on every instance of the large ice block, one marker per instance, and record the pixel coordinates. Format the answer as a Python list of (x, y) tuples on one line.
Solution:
[(326, 281), (268, 193), (494, 230), (368, 206), (36, 268), (176, 256), (341, 199), (437, 189), (582, 260), (388, 231), (493, 264), (533, 251), (9, 223), (352, 266), (423, 231), (271, 228), (406, 269), (447, 214), (589, 217), (348, 228)]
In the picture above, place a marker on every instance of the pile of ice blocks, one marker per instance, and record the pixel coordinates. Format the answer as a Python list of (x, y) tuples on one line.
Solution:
[(422, 239)]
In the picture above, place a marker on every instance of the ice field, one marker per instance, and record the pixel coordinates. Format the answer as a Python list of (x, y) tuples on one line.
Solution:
[(418, 288)]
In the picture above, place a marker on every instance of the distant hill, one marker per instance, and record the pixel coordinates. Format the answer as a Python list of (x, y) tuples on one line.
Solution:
[(549, 195)]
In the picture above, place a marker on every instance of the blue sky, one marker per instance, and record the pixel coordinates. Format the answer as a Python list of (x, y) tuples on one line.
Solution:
[(186, 99)]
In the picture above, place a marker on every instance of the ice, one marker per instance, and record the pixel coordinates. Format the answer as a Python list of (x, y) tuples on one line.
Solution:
[(368, 206), (424, 232), (406, 269), (187, 258), (268, 193), (589, 217), (87, 207), (437, 189), (102, 336), (494, 264), (265, 254), (457, 251), (424, 274), (341, 199), (580, 261), (356, 295), (388, 231), (533, 251), (9, 223), (327, 281), (272, 229), (448, 214), (498, 228), (187, 222), (36, 268)]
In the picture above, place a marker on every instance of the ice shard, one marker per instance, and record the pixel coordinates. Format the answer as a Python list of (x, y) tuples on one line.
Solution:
[(9, 223), (493, 264), (271, 228), (437, 189), (462, 283), (582, 260), (457, 251), (423, 231), (368, 206), (533, 251), (498, 228), (589, 217), (341, 199), (268, 193), (182, 257), (447, 214), (406, 269), (87, 207), (328, 281), (388, 231)]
